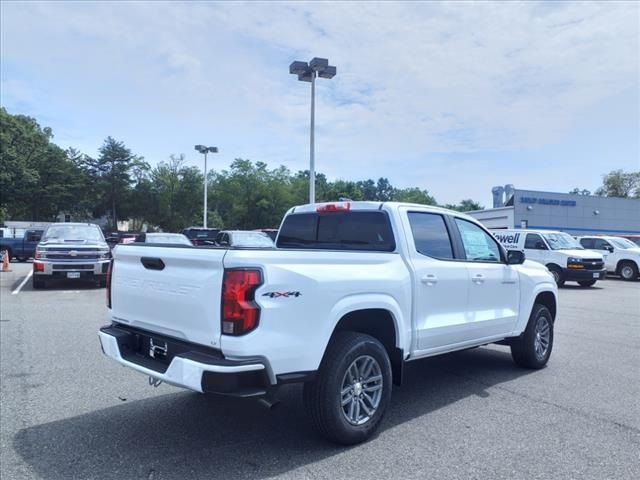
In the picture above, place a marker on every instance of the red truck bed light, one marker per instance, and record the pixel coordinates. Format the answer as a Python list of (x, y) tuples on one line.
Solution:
[(334, 207), (240, 313)]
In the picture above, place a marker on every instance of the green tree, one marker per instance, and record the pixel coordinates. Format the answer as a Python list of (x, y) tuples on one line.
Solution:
[(176, 191), (466, 205), (618, 183), (112, 174), (413, 195)]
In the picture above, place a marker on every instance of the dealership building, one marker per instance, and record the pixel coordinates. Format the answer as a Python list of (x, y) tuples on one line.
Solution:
[(574, 214)]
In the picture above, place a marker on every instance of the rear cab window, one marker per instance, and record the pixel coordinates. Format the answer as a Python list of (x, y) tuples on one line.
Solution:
[(351, 231)]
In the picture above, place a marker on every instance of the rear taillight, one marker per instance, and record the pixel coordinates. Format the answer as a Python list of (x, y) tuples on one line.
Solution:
[(109, 274), (240, 313), (38, 267)]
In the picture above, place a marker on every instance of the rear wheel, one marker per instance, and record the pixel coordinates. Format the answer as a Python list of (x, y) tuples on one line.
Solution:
[(351, 393), (558, 276), (628, 270), (587, 283), (533, 348), (22, 259)]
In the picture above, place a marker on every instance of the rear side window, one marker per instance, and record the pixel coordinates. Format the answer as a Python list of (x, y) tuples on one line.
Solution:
[(368, 231), (430, 235), (587, 242)]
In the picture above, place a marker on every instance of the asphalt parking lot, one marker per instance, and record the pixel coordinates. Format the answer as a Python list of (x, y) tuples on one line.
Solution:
[(69, 412)]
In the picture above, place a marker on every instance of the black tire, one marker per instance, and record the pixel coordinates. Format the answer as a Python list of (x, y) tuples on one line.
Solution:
[(523, 348), (587, 283), (558, 276), (22, 259), (102, 283), (37, 283), (323, 397), (628, 270)]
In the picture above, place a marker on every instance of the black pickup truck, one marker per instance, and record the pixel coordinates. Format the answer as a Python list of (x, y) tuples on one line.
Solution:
[(71, 250)]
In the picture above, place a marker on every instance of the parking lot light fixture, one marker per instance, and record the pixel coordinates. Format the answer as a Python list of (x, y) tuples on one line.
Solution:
[(205, 150), (307, 72)]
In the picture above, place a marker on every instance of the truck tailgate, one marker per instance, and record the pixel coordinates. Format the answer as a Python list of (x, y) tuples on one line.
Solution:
[(167, 290)]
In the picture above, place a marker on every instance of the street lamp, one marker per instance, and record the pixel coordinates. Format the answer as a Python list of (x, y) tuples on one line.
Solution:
[(307, 72), (204, 150)]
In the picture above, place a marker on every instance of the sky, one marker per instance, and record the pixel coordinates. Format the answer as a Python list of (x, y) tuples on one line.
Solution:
[(450, 97)]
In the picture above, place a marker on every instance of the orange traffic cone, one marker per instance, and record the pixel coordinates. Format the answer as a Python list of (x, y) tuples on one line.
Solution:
[(5, 261)]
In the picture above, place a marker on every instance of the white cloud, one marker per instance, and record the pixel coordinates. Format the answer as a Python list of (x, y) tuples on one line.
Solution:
[(415, 81)]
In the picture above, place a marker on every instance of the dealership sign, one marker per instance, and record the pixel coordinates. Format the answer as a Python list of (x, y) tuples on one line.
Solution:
[(548, 201)]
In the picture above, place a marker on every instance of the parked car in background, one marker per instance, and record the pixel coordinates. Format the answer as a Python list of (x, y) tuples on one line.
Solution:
[(164, 238), (565, 258), (21, 248), (201, 236), (352, 293), (621, 256), (115, 238), (244, 238), (71, 250), (272, 232)]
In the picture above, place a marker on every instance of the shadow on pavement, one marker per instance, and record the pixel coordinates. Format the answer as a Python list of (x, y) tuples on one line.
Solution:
[(188, 435)]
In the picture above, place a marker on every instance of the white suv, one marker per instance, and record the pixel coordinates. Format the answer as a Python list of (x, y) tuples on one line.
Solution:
[(621, 256)]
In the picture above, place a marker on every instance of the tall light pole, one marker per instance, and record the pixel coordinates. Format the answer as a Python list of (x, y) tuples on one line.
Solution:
[(307, 72), (204, 150)]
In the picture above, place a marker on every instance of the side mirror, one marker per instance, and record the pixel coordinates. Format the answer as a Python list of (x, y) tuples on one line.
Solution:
[(515, 257), (608, 248)]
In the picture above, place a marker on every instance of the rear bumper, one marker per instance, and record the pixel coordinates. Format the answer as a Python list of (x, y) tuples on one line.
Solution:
[(580, 275), (185, 365)]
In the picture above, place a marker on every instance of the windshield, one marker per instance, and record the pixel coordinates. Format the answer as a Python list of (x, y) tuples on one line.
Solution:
[(176, 238), (73, 233), (562, 241), (622, 243), (251, 239)]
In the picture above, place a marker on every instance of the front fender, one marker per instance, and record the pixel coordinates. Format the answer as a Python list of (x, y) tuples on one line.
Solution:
[(526, 304)]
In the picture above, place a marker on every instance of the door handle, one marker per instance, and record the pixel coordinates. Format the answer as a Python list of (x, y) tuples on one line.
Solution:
[(478, 279), (152, 263), (429, 279)]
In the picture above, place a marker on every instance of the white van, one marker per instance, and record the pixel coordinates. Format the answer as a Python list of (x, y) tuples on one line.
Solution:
[(565, 258)]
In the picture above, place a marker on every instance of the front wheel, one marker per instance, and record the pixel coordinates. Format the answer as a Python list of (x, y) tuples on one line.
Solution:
[(351, 393), (587, 283), (533, 348), (22, 259), (558, 276)]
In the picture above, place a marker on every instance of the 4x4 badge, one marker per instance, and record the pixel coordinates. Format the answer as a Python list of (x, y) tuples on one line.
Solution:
[(281, 294)]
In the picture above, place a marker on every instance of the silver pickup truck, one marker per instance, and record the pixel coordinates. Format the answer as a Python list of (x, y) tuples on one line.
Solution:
[(71, 250)]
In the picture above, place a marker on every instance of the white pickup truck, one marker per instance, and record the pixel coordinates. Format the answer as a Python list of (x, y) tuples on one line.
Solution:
[(352, 292)]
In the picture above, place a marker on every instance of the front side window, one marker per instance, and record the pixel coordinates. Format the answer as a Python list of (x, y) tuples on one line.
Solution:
[(430, 235), (600, 244), (478, 245), (534, 242)]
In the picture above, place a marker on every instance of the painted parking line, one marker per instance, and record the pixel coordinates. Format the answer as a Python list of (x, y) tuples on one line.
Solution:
[(22, 284)]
